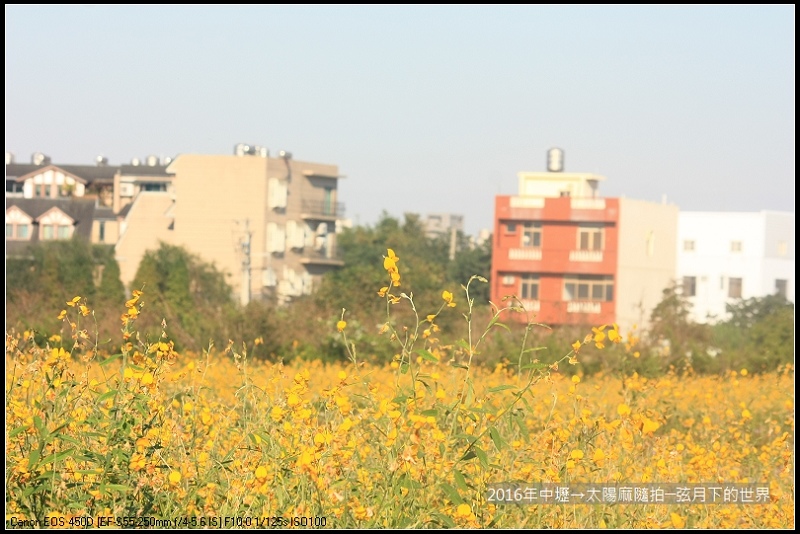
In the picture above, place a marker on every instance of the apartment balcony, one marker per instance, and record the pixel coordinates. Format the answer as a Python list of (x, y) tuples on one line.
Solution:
[(530, 305), (322, 210), (528, 253), (581, 306), (593, 256), (526, 202), (587, 203), (323, 256)]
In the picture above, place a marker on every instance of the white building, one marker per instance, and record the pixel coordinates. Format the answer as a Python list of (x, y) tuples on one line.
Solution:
[(724, 256)]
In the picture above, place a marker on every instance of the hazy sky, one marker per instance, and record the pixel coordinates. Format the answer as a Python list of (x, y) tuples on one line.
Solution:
[(424, 109)]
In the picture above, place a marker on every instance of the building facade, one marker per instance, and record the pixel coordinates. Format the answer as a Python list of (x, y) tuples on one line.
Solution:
[(76, 186), (725, 256), (572, 257), (270, 226), (268, 223)]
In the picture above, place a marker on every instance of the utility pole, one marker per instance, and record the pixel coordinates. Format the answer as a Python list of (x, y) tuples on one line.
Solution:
[(245, 295)]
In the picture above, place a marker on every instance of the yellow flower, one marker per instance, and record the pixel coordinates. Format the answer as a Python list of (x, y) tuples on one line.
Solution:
[(340, 326), (577, 454), (261, 473), (383, 290), (577, 345), (623, 410), (73, 302), (649, 426), (62, 314), (448, 298), (464, 511), (676, 520), (174, 478), (613, 335)]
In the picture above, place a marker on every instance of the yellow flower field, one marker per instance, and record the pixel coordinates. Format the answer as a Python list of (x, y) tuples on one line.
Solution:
[(153, 438), (218, 436)]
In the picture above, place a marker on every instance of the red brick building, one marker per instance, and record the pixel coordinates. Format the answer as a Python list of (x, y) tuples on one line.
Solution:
[(572, 257)]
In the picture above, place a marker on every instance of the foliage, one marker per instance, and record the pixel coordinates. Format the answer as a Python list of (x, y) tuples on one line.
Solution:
[(178, 439), (50, 273), (188, 294)]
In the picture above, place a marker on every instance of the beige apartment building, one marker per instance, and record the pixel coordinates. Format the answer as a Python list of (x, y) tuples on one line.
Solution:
[(268, 223)]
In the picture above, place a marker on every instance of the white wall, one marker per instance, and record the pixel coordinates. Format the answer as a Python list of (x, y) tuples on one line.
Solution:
[(713, 262)]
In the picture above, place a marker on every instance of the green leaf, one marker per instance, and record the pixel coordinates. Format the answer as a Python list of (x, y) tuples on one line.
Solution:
[(501, 388), (111, 359), (426, 355), (452, 493), (461, 482), (536, 365), (444, 520), (483, 458), (56, 456), (37, 422), (533, 349), (429, 413), (469, 455), (107, 395), (33, 459), (114, 487), (498, 441), (403, 368), (17, 430)]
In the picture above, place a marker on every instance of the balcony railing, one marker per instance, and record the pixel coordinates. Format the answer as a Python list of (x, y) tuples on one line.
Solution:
[(321, 208), (526, 202), (530, 305), (579, 306), (530, 253), (323, 256), (587, 203), (586, 255)]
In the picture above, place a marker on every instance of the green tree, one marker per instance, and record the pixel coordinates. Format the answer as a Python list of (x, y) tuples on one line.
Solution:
[(190, 295), (671, 326)]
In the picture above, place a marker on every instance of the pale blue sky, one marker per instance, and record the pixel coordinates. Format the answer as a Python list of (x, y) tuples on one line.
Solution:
[(424, 109)]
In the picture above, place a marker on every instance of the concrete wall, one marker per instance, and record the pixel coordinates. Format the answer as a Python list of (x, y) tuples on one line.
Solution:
[(646, 258), (146, 224), (759, 258)]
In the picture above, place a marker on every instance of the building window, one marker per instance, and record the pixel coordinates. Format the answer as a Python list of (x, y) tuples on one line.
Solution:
[(531, 235), (9, 231), (328, 207), (736, 246), (38, 190), (781, 288), (735, 288), (589, 288), (511, 228), (48, 232), (529, 287), (689, 286), (23, 230), (688, 245), (590, 238), (101, 231), (152, 186), (63, 232), (508, 280)]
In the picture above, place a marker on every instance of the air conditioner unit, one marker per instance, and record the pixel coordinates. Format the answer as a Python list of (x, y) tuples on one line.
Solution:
[(126, 190)]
